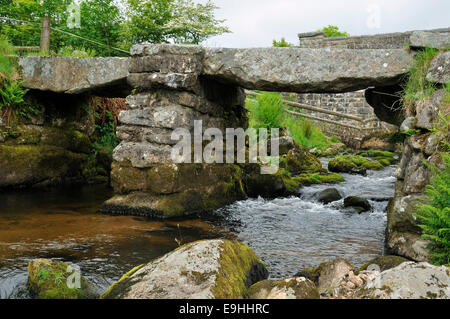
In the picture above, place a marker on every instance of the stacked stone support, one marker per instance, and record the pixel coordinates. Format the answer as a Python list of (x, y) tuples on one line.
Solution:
[(169, 93)]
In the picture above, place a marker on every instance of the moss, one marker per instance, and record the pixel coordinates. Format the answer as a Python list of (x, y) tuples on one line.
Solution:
[(117, 286), (48, 280), (237, 262), (299, 160), (352, 163), (27, 165), (318, 178)]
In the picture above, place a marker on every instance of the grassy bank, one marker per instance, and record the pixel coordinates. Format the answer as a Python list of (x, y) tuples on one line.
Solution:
[(267, 111)]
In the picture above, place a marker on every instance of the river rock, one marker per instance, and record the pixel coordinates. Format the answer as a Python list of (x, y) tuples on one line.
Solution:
[(290, 288), (328, 195), (204, 269), (408, 281), (49, 279), (439, 71), (328, 276), (427, 110), (407, 124), (361, 204), (382, 263)]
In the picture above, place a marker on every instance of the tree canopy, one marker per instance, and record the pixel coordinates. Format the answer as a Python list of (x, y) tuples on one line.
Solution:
[(155, 21)]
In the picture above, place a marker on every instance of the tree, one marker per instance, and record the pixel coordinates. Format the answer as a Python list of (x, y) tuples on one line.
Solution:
[(282, 43), (333, 31), (178, 21), (100, 21)]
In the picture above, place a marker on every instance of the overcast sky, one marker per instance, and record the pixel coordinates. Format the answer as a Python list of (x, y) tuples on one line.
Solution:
[(255, 23)]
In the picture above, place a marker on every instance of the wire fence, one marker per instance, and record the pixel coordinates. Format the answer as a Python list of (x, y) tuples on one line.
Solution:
[(36, 24)]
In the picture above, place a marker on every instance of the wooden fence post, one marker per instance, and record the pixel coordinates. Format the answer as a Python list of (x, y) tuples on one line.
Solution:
[(45, 35)]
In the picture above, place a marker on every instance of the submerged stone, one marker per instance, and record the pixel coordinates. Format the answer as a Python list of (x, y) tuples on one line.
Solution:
[(328, 196)]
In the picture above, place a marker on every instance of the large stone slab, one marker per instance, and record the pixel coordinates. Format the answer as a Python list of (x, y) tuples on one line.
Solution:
[(438, 39), (306, 70), (103, 76)]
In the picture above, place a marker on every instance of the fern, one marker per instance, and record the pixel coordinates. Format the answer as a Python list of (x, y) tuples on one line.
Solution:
[(434, 213)]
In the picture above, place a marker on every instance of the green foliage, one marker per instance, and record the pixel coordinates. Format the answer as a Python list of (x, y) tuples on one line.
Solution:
[(78, 53), (179, 21), (108, 139), (305, 133), (333, 31), (410, 132), (7, 67), (100, 21), (417, 87), (267, 111), (282, 43), (434, 213)]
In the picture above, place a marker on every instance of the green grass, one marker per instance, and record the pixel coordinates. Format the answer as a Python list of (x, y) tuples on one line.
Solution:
[(7, 66), (267, 111), (417, 87)]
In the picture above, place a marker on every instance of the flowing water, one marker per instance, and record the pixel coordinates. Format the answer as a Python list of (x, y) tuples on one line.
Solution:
[(288, 234)]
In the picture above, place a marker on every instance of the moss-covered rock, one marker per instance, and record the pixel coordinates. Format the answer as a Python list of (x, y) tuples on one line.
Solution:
[(299, 160), (28, 165), (166, 191), (290, 288), (318, 178), (352, 164), (208, 269), (383, 262), (49, 279)]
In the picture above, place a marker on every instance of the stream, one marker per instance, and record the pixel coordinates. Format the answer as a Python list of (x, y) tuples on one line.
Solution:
[(287, 234)]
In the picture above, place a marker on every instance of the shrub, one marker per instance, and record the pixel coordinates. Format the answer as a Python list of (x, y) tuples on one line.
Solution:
[(434, 213), (333, 31), (282, 43)]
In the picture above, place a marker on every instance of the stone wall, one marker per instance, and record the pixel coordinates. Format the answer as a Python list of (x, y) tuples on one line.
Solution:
[(380, 41), (436, 38), (350, 103)]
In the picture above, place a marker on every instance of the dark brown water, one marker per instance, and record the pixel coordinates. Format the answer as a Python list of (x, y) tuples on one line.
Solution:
[(64, 224), (288, 234)]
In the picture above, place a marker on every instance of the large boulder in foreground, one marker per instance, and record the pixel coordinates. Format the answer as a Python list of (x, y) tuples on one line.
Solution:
[(49, 279), (290, 288), (208, 269), (408, 281)]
